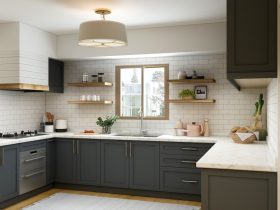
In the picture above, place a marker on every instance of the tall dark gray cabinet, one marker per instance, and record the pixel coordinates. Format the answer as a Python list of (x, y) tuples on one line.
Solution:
[(9, 172), (251, 39), (78, 161), (130, 164)]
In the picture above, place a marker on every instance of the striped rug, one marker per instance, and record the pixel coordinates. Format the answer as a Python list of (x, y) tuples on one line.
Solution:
[(65, 201)]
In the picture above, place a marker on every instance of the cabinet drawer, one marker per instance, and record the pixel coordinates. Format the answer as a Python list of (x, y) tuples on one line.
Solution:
[(180, 181), (182, 161), (198, 149), (32, 145)]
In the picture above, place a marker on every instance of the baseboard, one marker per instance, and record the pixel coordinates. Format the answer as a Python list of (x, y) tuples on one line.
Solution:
[(25, 196), (123, 191)]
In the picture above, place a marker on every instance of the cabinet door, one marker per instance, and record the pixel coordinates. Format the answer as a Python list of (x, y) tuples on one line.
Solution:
[(144, 165), (252, 38), (88, 162), (51, 160), (114, 163), (242, 190), (56, 76), (65, 160), (9, 172)]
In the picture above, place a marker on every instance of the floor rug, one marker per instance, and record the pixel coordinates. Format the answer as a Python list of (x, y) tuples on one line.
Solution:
[(67, 201)]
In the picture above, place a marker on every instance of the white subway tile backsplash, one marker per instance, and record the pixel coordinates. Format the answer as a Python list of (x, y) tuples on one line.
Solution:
[(232, 107)]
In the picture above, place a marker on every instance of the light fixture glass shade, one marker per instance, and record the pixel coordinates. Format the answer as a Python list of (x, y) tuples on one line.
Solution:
[(102, 33)]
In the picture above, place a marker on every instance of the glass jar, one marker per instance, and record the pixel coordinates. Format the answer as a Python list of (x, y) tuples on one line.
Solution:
[(94, 78), (85, 77), (100, 77)]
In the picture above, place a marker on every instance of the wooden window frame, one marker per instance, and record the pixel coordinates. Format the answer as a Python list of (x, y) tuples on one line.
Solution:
[(166, 90)]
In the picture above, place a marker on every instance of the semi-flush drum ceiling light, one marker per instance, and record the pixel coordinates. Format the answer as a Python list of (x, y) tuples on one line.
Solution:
[(102, 33)]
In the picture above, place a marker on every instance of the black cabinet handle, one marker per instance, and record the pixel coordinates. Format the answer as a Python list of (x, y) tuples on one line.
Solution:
[(188, 161), (189, 148)]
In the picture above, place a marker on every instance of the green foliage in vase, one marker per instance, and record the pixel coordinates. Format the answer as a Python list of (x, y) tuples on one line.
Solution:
[(107, 122), (259, 105)]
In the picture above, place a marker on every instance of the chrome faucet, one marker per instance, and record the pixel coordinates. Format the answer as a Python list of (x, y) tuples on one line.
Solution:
[(141, 117)]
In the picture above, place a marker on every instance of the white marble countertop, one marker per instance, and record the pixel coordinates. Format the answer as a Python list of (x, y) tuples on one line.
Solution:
[(223, 155)]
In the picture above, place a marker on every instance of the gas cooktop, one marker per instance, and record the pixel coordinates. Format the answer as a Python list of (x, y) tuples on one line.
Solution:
[(22, 134)]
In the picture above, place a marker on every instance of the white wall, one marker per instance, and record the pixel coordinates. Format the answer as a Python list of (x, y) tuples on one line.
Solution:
[(272, 117), (190, 38), (232, 107)]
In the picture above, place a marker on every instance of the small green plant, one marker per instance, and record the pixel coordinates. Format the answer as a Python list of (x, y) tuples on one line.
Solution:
[(186, 93), (107, 123), (259, 105)]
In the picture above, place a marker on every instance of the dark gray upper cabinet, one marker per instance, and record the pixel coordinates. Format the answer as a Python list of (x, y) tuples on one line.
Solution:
[(51, 161), (251, 39), (9, 166), (114, 163), (56, 76), (144, 165), (65, 161), (242, 190), (88, 162)]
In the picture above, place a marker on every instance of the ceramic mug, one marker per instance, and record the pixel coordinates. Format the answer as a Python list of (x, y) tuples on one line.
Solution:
[(83, 98)]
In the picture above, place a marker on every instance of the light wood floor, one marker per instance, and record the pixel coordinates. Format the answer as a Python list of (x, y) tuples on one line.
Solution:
[(53, 191)]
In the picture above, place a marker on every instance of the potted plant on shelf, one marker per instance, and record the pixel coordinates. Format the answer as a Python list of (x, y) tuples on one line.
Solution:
[(107, 123), (187, 94)]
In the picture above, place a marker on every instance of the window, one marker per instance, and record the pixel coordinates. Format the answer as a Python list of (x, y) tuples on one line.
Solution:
[(142, 89)]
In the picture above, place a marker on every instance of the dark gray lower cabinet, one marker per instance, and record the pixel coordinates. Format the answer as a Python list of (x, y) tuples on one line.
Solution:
[(88, 162), (78, 161), (51, 161), (9, 172), (65, 160), (242, 190), (178, 172), (130, 164), (180, 180), (115, 163), (144, 165)]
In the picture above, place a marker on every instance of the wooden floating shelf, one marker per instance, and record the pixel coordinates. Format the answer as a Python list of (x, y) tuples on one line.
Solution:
[(91, 84), (106, 102), (191, 81), (191, 101)]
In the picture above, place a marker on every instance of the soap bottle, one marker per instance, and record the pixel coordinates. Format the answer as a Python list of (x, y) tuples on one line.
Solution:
[(206, 128)]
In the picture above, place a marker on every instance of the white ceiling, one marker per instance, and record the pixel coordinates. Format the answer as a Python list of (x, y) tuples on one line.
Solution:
[(64, 16)]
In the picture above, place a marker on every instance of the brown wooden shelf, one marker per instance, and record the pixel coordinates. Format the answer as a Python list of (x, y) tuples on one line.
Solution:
[(191, 101), (91, 84), (106, 102), (191, 81)]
